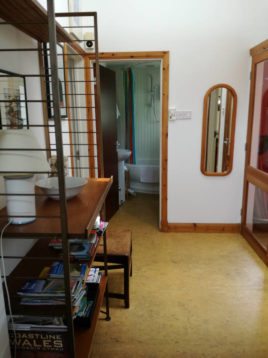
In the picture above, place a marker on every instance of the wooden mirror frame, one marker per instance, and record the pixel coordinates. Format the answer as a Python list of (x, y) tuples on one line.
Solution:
[(205, 127)]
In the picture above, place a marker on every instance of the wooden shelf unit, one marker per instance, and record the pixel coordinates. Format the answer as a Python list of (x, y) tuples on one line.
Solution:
[(87, 208), (80, 212), (88, 204)]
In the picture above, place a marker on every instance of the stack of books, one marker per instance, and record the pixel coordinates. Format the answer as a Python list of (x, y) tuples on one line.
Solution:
[(83, 314), (50, 292), (94, 275), (37, 336), (77, 271), (79, 249), (36, 323)]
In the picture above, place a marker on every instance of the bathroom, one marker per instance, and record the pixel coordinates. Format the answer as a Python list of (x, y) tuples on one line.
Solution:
[(138, 112)]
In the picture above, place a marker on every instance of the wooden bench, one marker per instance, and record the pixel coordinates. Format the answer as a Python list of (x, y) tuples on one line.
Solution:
[(119, 256)]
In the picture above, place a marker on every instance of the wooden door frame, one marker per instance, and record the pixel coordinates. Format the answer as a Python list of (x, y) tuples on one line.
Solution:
[(164, 57), (253, 175)]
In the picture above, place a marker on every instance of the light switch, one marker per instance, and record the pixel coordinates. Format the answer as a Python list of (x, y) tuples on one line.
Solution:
[(181, 115), (175, 115), (172, 113)]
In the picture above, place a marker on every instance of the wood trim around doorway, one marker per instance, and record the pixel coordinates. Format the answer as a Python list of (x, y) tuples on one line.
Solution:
[(164, 57)]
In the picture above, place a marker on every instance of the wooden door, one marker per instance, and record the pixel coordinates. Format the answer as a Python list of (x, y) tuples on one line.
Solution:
[(109, 136), (255, 200)]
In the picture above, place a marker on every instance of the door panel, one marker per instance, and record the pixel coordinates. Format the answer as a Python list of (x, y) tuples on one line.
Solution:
[(259, 141), (109, 135), (255, 200)]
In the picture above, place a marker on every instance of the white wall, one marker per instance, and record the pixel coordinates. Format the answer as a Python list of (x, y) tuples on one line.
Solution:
[(60, 5), (22, 63), (209, 43)]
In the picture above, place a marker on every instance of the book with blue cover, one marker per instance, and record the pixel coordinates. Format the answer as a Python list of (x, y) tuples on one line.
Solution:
[(81, 250), (76, 270), (57, 288), (78, 248), (56, 269), (32, 287), (45, 288)]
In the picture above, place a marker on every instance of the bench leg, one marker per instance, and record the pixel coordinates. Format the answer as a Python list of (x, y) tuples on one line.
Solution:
[(126, 282)]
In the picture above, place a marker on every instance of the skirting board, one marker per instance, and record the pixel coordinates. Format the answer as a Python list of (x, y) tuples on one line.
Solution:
[(173, 227)]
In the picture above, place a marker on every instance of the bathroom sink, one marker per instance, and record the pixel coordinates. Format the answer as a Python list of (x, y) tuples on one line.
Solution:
[(123, 154)]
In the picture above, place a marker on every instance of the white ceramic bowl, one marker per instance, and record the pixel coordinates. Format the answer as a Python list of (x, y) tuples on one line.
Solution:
[(73, 186)]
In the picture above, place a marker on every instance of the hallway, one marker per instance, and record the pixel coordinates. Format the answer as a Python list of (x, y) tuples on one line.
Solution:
[(191, 295)]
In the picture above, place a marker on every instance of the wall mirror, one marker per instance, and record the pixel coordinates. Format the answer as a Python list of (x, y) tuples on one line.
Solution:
[(219, 115)]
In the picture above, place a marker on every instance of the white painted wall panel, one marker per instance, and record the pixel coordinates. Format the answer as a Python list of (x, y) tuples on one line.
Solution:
[(209, 44), (24, 63), (21, 63)]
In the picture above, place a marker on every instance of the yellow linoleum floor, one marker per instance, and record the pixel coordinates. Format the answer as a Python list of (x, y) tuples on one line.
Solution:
[(192, 295)]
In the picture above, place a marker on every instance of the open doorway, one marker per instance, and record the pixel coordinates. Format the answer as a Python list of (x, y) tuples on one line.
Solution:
[(147, 139), (138, 112), (138, 128)]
